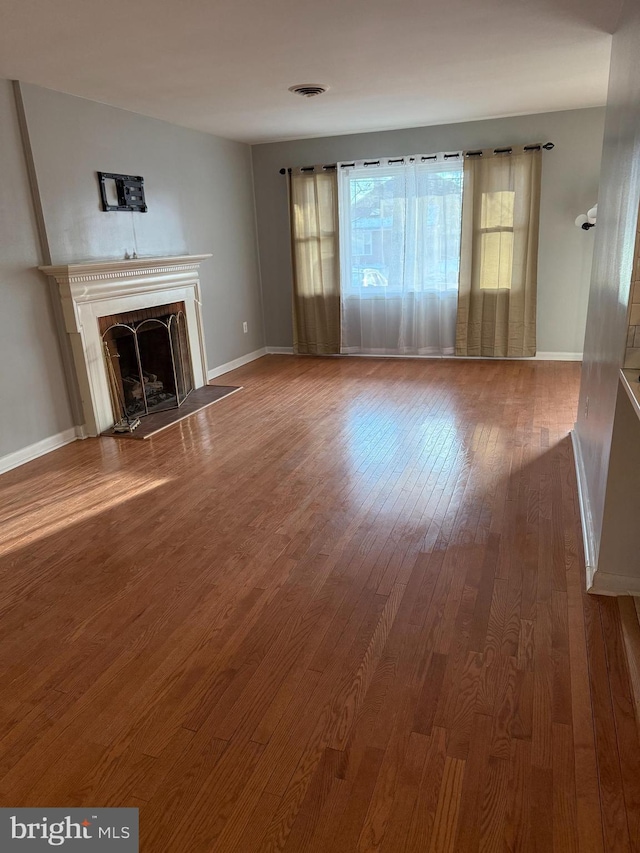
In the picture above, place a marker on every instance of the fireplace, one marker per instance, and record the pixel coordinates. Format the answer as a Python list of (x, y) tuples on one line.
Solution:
[(136, 333)]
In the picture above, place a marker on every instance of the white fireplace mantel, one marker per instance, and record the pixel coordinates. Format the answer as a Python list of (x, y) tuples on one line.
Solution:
[(101, 288)]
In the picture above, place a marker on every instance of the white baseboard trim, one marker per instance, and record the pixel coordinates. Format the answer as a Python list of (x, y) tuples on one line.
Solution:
[(558, 356), (586, 518), (237, 362), (39, 448), (541, 356), (605, 583)]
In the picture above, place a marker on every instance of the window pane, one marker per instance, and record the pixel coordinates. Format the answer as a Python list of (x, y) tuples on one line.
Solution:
[(496, 260), (372, 209), (497, 210)]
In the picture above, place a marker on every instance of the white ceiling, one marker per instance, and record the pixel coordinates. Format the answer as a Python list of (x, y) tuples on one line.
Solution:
[(224, 66)]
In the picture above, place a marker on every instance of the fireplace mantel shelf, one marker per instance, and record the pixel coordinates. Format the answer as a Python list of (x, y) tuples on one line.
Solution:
[(111, 268)]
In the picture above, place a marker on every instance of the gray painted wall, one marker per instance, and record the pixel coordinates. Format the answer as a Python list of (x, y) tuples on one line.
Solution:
[(612, 267), (199, 191), (618, 553), (570, 186), (33, 394)]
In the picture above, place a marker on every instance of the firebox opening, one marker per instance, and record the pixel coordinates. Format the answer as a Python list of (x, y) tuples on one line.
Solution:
[(147, 360)]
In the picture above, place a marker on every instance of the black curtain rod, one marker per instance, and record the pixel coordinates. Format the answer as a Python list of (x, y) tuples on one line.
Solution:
[(331, 166)]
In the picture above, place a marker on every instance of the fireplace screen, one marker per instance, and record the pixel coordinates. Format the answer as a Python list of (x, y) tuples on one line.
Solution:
[(147, 359)]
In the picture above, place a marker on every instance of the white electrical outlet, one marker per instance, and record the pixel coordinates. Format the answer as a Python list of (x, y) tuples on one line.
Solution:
[(245, 327)]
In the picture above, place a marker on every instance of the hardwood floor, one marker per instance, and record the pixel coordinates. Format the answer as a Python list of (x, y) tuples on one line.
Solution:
[(341, 610)]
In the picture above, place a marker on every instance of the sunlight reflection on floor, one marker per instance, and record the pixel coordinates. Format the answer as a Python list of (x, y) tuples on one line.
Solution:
[(63, 507)]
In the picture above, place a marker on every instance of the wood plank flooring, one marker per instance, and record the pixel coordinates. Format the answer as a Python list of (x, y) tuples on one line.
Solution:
[(341, 611)]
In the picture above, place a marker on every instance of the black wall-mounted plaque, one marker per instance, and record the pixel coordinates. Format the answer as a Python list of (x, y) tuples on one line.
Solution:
[(129, 189)]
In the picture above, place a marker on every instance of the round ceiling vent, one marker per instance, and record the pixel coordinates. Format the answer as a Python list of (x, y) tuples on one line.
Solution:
[(308, 90)]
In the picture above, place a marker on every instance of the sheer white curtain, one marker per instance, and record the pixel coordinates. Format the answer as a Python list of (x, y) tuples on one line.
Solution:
[(400, 223)]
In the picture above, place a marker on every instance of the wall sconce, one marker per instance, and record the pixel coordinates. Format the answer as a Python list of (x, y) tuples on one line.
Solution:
[(587, 220)]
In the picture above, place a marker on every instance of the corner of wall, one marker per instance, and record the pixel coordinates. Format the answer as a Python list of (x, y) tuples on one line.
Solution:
[(586, 518), (64, 347), (257, 248)]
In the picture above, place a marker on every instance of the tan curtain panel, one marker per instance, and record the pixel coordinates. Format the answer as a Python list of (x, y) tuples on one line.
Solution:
[(316, 263), (499, 255)]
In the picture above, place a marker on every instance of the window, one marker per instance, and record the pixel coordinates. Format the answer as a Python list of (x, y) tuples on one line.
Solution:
[(400, 228), (496, 240)]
